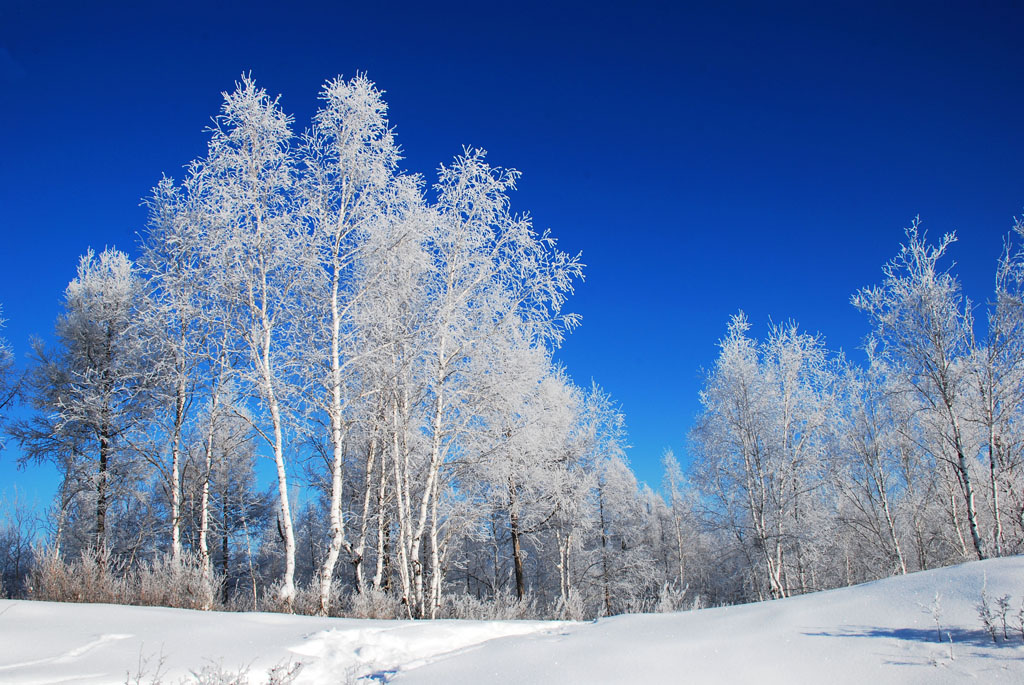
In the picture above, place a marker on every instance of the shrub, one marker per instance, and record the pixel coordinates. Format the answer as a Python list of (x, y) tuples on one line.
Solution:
[(92, 577), (183, 584), (502, 606), (373, 603)]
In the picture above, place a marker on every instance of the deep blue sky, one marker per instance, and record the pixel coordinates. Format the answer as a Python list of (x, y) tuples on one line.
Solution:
[(704, 159)]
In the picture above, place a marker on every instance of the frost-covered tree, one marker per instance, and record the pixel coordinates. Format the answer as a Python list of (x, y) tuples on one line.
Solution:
[(488, 269), (761, 442), (620, 567), (355, 206), (304, 295), (8, 381), (997, 401), (515, 458), (679, 495), (255, 250), (924, 329), (222, 509), (175, 328), (93, 391), (18, 543), (868, 474)]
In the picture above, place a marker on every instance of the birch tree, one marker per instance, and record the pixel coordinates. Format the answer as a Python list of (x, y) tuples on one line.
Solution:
[(528, 409), (925, 329), (997, 377), (677, 491), (621, 567), (353, 204), (760, 442), (488, 268), (869, 475), (256, 250), (170, 260)]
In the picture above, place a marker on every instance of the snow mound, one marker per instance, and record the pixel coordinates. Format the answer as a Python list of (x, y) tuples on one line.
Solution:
[(878, 633), (882, 632)]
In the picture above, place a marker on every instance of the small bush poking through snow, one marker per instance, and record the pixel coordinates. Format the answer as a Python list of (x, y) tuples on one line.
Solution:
[(215, 674), (995, 616), (985, 613), (151, 671)]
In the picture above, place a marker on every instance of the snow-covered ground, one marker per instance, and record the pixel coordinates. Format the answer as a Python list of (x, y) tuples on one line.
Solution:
[(877, 633)]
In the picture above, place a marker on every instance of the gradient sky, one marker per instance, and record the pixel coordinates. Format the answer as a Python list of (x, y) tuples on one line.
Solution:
[(707, 159)]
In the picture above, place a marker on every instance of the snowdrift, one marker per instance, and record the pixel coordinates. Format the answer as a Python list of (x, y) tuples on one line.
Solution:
[(881, 632)]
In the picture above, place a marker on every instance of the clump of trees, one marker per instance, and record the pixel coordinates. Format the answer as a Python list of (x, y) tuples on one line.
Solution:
[(387, 348), (813, 471)]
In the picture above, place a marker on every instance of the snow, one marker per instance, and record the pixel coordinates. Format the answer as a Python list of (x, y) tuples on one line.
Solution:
[(880, 632)]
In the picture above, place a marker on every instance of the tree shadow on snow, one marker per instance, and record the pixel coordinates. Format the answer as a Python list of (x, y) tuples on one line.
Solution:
[(973, 644), (959, 636), (380, 676)]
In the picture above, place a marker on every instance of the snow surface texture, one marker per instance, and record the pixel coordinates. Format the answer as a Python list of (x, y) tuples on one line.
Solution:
[(882, 632)]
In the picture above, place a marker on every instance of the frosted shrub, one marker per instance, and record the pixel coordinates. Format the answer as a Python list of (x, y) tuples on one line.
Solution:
[(670, 598), (307, 599), (935, 609), (571, 609), (996, 617), (182, 584), (1003, 606), (987, 616), (465, 607), (1020, 620), (90, 578), (216, 674), (372, 603), (270, 600), (503, 606), (246, 600)]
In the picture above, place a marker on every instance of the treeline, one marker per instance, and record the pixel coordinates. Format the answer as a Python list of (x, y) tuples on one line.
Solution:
[(387, 347)]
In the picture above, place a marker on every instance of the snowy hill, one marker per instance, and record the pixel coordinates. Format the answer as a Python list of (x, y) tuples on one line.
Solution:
[(882, 632)]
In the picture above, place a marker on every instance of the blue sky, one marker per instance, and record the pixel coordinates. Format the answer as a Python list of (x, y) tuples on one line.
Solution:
[(705, 159)]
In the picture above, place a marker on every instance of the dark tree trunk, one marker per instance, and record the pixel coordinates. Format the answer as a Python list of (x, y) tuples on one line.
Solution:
[(517, 550), (225, 555), (101, 493)]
